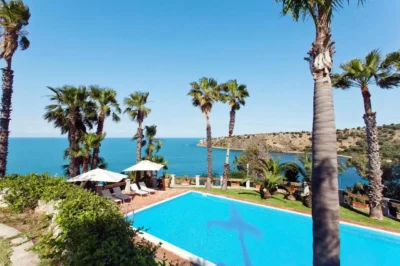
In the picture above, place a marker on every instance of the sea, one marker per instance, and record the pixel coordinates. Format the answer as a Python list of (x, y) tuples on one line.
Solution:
[(27, 155)]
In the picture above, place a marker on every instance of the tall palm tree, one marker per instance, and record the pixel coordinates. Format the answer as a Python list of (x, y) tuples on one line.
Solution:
[(381, 72), (325, 198), (234, 95), (204, 94), (137, 111), (73, 113), (107, 105), (87, 143), (14, 16)]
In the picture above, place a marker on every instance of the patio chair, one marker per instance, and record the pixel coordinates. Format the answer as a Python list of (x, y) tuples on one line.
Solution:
[(118, 194), (145, 188), (107, 194), (136, 190)]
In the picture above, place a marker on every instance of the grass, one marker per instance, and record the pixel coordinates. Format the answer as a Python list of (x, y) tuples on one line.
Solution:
[(346, 214), (5, 252)]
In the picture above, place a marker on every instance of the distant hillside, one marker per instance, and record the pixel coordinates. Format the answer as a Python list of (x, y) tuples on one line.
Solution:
[(347, 139)]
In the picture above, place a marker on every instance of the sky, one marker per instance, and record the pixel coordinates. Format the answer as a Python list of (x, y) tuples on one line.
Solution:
[(161, 46)]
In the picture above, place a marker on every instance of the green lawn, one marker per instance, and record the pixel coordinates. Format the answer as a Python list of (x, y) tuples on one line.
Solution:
[(5, 252), (278, 201)]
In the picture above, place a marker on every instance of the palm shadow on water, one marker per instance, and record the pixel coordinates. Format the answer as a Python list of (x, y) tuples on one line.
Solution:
[(236, 223)]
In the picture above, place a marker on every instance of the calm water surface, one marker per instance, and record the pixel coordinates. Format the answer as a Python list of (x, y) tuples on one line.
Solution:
[(28, 155)]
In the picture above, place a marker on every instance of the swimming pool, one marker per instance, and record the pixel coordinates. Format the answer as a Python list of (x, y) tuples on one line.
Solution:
[(231, 233)]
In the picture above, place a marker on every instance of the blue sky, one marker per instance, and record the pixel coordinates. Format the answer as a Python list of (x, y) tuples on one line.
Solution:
[(161, 46)]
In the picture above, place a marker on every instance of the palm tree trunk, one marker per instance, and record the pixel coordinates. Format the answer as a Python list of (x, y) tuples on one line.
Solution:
[(85, 167), (209, 154), (226, 165), (8, 79), (325, 198), (73, 167), (374, 172), (139, 142), (99, 132), (149, 144), (139, 147)]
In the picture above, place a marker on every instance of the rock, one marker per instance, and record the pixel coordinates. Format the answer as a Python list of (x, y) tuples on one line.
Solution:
[(19, 240), (3, 204), (21, 257), (47, 207), (8, 232)]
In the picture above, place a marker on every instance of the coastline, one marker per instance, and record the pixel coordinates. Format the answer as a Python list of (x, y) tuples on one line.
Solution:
[(283, 152)]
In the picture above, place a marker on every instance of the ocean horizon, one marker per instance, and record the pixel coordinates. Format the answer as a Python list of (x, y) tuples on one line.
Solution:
[(41, 154)]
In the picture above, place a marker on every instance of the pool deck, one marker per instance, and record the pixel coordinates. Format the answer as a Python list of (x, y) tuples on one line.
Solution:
[(139, 202)]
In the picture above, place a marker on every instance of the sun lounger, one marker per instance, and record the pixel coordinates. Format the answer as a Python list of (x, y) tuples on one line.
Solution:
[(118, 194), (107, 194), (136, 190), (145, 188)]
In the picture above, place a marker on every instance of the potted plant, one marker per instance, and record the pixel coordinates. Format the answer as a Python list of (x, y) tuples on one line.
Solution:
[(165, 182), (185, 181), (269, 184)]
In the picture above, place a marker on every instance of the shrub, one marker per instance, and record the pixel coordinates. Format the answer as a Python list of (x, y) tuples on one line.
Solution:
[(24, 191), (92, 229), (237, 174)]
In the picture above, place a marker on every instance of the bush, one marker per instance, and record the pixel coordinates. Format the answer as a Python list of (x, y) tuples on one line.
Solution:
[(237, 174), (24, 191), (92, 229)]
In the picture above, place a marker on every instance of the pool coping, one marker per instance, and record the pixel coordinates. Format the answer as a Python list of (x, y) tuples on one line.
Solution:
[(200, 261)]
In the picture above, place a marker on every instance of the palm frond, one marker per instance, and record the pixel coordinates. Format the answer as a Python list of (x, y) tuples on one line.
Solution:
[(391, 59), (389, 82), (340, 81), (24, 43)]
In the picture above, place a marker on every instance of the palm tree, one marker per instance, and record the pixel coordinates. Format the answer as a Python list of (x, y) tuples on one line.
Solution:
[(73, 114), (137, 111), (153, 144), (107, 105), (87, 143), (235, 96), (204, 94), (14, 16), (271, 172), (381, 72), (325, 198)]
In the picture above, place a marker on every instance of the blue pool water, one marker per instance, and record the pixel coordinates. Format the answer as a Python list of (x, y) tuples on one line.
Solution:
[(233, 233), (28, 155)]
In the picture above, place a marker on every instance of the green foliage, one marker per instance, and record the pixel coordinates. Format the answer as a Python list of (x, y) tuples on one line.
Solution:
[(25, 191), (135, 106), (250, 156), (359, 188), (92, 229), (237, 174), (14, 16), (234, 94), (205, 93)]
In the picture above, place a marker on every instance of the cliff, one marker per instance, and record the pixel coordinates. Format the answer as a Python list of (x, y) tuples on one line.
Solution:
[(299, 141)]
